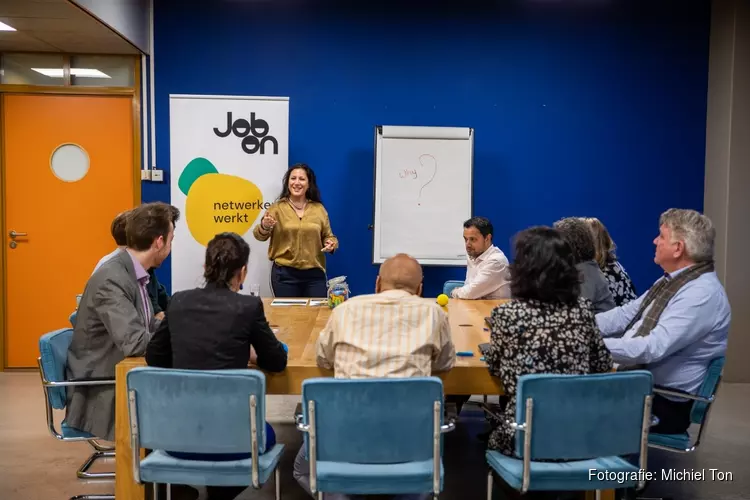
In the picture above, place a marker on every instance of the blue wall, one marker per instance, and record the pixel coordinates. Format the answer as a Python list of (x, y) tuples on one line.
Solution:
[(595, 110)]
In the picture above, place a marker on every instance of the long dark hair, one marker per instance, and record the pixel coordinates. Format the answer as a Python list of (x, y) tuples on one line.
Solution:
[(544, 267), (313, 193), (226, 254)]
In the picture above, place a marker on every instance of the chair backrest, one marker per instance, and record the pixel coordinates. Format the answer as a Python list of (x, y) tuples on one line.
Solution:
[(72, 318), (53, 350), (197, 411), (707, 389), (583, 416), (449, 285), (373, 421)]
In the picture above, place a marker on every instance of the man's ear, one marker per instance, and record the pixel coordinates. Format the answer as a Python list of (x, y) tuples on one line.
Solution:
[(158, 243), (377, 284), (419, 290), (680, 250)]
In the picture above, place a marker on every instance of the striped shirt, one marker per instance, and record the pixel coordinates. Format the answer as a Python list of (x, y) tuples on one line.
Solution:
[(390, 334)]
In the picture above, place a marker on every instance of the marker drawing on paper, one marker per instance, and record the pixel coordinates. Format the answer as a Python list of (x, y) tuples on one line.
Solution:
[(425, 158)]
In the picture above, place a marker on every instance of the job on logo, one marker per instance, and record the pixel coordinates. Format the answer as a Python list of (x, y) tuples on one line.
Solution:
[(254, 134)]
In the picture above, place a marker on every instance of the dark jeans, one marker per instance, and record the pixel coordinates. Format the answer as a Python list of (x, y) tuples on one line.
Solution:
[(226, 492), (674, 416), (459, 401), (293, 282)]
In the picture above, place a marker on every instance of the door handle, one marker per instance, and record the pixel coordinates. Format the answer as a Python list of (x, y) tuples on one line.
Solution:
[(14, 235)]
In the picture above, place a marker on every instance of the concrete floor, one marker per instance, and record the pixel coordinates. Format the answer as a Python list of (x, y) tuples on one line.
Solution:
[(34, 465)]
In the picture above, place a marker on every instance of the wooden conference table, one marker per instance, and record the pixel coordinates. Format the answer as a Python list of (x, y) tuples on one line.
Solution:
[(299, 328)]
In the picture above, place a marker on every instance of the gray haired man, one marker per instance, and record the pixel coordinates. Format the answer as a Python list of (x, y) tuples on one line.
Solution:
[(682, 322)]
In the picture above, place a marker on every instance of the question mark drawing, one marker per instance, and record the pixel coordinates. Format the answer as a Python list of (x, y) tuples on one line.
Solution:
[(434, 172)]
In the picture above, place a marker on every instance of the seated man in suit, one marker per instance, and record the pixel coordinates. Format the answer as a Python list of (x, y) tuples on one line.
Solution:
[(115, 319), (486, 266), (359, 341), (681, 324), (156, 291)]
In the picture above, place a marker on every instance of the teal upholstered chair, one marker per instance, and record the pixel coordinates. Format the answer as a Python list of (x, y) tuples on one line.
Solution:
[(702, 403), (53, 349), (374, 436), (582, 422), (203, 412), (72, 318), (449, 285)]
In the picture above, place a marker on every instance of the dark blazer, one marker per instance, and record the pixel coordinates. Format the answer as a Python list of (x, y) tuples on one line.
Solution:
[(109, 327), (594, 287), (212, 328), (157, 293)]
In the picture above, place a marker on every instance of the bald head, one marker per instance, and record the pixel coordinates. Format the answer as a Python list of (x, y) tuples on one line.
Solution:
[(400, 272)]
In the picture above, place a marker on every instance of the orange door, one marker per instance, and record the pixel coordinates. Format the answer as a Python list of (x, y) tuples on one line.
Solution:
[(68, 164)]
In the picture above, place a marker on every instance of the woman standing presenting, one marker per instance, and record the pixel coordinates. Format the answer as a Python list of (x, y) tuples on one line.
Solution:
[(300, 233)]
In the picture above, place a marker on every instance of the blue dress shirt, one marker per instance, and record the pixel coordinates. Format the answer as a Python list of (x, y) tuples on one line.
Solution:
[(691, 331)]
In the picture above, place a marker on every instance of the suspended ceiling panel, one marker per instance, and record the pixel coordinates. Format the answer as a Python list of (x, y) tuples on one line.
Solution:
[(56, 26)]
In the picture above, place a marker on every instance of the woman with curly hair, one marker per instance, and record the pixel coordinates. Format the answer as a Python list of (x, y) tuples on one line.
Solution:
[(546, 328), (620, 284), (299, 234), (594, 285)]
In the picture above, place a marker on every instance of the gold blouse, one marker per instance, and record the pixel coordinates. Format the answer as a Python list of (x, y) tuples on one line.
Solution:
[(297, 241)]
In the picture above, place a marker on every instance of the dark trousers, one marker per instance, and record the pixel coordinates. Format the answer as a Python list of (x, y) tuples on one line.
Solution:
[(459, 401), (293, 282), (674, 416)]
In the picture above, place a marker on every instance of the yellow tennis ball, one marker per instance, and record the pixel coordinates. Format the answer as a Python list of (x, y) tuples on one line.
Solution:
[(442, 299)]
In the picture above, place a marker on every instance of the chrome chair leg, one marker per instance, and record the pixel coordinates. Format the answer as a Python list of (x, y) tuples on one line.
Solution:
[(83, 471), (98, 447), (277, 482), (489, 485), (169, 491), (320, 495), (93, 497), (156, 490)]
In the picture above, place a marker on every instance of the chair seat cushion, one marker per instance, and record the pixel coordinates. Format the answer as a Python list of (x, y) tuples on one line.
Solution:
[(677, 441), (69, 432), (376, 479), (160, 467), (565, 476)]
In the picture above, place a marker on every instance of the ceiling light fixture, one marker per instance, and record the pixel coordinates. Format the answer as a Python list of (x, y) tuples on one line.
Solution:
[(79, 72), (5, 27), (88, 73)]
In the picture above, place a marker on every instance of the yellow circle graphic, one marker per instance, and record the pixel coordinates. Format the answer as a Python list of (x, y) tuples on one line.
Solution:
[(218, 203)]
